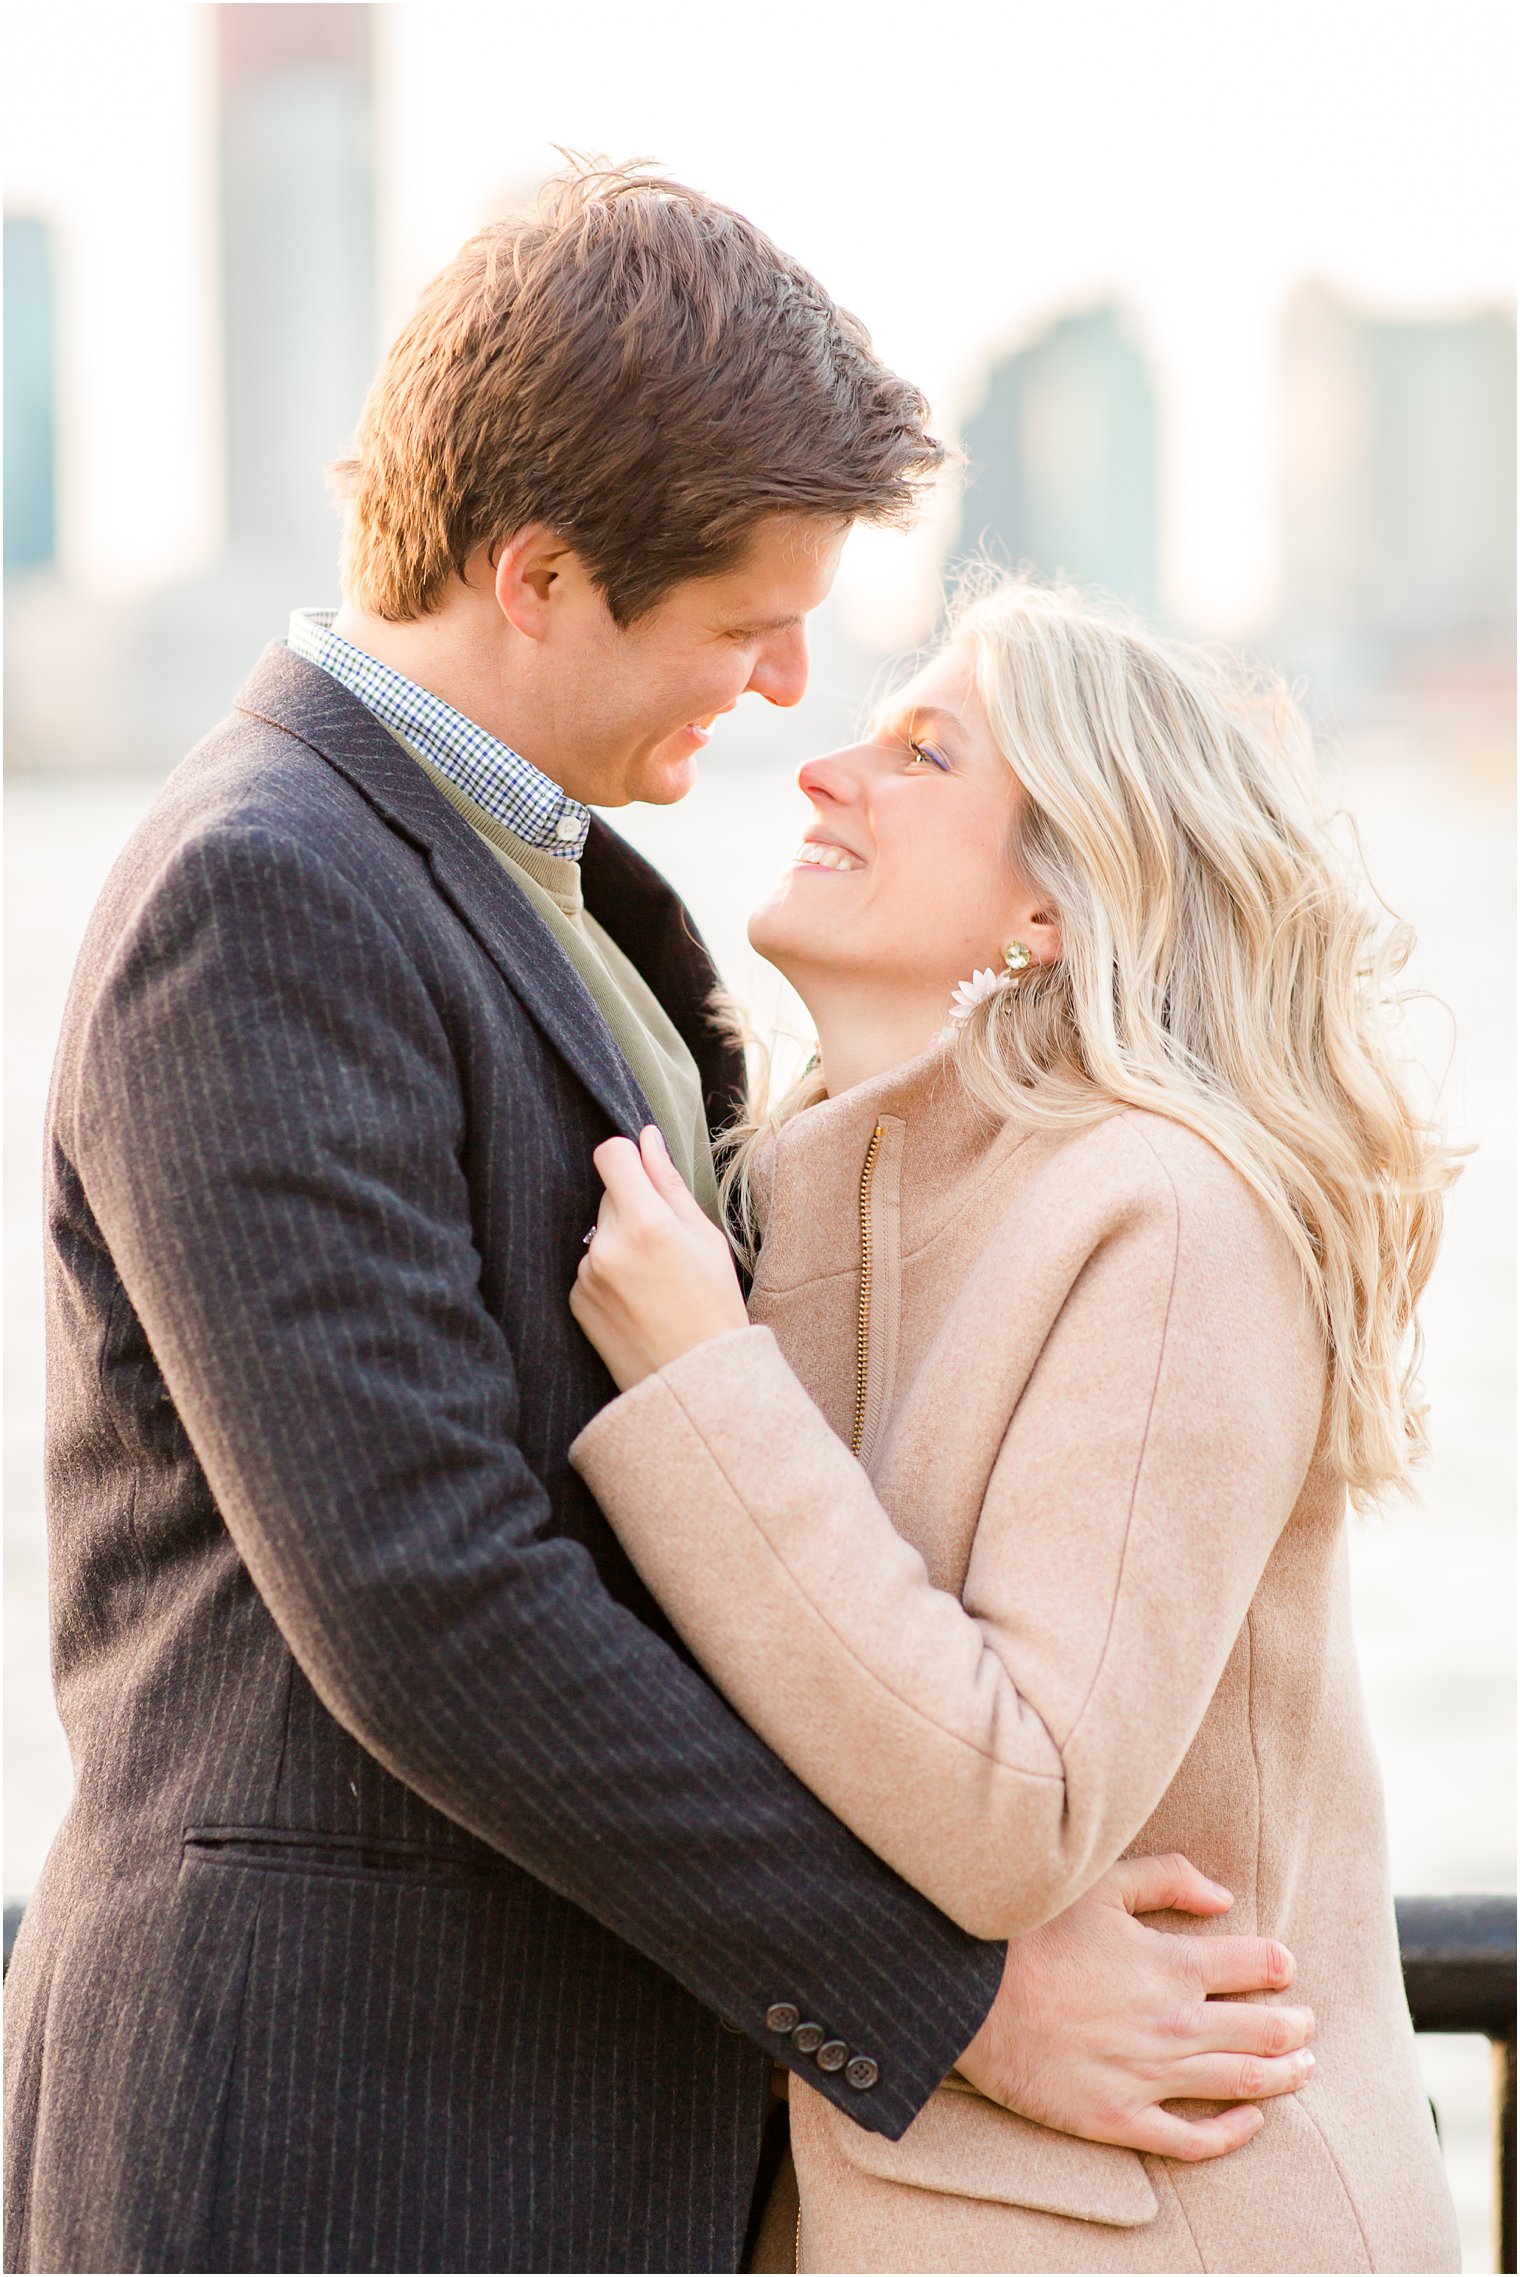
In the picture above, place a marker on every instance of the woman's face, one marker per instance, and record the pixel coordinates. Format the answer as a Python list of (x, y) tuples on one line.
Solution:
[(905, 872)]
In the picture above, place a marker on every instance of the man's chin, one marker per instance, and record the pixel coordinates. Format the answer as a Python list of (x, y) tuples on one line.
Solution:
[(664, 781)]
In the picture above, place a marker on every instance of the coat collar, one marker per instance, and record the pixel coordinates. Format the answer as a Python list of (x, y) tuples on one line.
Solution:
[(807, 1179), (308, 703)]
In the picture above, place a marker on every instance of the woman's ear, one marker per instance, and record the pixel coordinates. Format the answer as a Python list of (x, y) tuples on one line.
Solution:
[(1039, 931)]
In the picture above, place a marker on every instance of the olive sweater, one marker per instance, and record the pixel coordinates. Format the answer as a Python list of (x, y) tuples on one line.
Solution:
[(641, 1028)]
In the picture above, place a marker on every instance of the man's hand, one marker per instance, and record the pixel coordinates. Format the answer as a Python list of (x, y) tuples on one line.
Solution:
[(1100, 2020)]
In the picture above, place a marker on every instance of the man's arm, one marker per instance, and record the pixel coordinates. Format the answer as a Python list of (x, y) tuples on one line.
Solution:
[(268, 1120), (268, 1123)]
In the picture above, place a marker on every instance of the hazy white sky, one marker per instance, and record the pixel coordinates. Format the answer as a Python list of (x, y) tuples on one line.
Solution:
[(953, 174)]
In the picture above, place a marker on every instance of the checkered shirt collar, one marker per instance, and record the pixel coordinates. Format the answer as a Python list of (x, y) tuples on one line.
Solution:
[(500, 781)]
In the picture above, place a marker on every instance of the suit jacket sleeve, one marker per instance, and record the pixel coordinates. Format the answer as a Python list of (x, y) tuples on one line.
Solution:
[(1001, 1749), (271, 1134)]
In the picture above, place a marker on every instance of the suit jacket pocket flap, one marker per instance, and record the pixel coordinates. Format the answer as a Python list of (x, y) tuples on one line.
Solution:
[(966, 2147)]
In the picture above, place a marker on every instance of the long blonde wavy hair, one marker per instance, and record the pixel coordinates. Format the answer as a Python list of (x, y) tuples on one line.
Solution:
[(1223, 962)]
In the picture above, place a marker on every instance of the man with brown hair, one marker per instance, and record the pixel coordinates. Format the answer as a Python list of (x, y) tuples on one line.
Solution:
[(420, 1905)]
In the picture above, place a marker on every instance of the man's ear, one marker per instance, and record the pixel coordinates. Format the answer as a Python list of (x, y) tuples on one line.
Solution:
[(529, 566)]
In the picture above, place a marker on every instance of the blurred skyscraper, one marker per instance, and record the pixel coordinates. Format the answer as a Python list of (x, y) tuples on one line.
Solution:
[(1061, 458), (1398, 482), (91, 686), (298, 269), (30, 481)]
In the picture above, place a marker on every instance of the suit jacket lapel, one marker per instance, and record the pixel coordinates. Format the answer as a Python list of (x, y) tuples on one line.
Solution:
[(309, 704), (653, 927)]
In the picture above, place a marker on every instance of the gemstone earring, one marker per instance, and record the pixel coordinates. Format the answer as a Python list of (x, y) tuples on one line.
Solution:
[(1017, 956)]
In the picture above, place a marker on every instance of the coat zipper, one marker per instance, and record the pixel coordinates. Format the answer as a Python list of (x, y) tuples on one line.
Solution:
[(863, 1311)]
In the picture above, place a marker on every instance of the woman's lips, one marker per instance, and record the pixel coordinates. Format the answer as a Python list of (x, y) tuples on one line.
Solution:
[(814, 854)]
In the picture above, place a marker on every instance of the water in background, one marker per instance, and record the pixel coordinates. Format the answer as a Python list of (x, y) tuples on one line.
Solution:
[(1434, 1586)]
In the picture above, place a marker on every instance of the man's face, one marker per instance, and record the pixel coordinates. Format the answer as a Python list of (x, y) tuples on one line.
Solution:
[(631, 710)]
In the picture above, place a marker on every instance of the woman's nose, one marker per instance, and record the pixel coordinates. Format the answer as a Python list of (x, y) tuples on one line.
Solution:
[(833, 779)]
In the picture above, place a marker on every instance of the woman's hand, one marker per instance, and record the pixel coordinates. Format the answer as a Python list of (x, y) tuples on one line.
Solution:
[(658, 1277)]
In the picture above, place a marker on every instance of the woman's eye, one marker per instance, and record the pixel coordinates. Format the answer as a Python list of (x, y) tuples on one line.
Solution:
[(924, 754)]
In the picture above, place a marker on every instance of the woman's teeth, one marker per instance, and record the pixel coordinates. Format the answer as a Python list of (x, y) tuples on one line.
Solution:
[(815, 857)]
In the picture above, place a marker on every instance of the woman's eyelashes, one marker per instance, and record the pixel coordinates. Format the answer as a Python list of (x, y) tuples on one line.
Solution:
[(926, 755)]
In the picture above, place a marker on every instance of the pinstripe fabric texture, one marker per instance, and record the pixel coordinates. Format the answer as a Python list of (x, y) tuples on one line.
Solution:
[(411, 1865)]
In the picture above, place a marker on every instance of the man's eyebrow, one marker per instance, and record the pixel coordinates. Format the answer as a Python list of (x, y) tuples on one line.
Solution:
[(770, 624)]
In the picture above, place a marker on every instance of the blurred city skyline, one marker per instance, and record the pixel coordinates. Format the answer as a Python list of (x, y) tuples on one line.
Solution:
[(1218, 302), (282, 179)]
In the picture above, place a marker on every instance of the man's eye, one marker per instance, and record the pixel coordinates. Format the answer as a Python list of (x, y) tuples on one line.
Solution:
[(925, 755)]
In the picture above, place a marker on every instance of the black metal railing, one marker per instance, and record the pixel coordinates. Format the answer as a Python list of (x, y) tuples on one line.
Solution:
[(1459, 1974)]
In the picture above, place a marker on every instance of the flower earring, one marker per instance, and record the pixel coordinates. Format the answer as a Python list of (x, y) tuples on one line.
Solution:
[(1017, 957)]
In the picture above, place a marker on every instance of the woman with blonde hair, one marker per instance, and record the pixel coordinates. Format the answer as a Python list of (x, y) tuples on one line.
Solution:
[(1012, 1511)]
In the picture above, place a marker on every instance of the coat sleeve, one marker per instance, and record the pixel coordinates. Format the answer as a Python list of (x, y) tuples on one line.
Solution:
[(1000, 1749), (271, 1126)]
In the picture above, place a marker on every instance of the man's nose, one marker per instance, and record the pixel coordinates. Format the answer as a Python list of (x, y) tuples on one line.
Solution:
[(781, 668)]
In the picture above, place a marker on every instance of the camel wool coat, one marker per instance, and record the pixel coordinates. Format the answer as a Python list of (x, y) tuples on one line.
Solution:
[(1082, 1594)]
